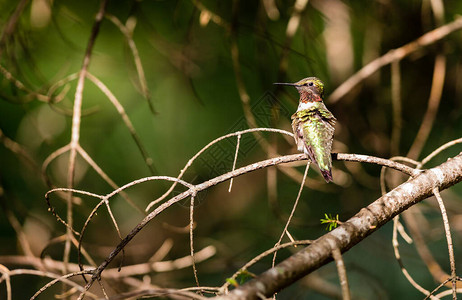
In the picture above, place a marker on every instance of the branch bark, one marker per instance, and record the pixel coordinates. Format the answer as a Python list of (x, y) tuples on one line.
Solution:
[(364, 223)]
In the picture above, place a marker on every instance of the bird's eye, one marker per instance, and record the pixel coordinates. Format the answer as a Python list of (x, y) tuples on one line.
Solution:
[(311, 84)]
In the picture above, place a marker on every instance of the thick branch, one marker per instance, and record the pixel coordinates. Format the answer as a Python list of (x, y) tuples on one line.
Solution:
[(350, 233)]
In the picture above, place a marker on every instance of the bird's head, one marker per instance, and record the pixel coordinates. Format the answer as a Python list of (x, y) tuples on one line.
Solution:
[(310, 89)]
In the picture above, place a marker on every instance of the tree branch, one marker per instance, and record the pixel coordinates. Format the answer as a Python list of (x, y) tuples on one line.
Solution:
[(193, 190), (351, 232)]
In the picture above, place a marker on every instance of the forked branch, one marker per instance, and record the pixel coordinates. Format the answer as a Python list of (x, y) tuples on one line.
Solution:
[(368, 220)]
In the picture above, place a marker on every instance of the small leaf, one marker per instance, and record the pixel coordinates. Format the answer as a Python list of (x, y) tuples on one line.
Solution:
[(331, 222), (244, 276), (232, 281)]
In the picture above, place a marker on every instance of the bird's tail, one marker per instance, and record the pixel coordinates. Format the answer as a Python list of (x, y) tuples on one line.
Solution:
[(327, 174)]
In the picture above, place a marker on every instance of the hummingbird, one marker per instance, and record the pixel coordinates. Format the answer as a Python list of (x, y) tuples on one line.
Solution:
[(313, 124)]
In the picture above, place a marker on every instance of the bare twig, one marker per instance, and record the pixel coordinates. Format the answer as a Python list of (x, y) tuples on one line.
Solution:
[(114, 273), (234, 162), (211, 15), (394, 55), (285, 231), (259, 257), (194, 189), (105, 177), (291, 29), (183, 294), (136, 58), (432, 109), (368, 220), (271, 9), (433, 266), (401, 264), (10, 25), (448, 292), (6, 277), (63, 279), (445, 293), (191, 238), (57, 278), (19, 85), (75, 132), (383, 171), (125, 119), (337, 255), (51, 158), (18, 150), (376, 160), (438, 151), (396, 104), (20, 234), (447, 230), (190, 162)]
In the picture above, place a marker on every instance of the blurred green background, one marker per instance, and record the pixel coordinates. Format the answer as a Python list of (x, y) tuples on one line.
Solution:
[(186, 51)]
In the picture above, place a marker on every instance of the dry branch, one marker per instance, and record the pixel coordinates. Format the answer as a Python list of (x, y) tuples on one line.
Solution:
[(397, 54), (194, 189), (368, 220)]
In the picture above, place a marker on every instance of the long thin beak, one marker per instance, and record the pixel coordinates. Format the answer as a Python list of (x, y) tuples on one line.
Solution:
[(283, 83)]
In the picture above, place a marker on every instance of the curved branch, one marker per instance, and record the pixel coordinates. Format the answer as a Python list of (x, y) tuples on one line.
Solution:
[(194, 189), (351, 232), (394, 55)]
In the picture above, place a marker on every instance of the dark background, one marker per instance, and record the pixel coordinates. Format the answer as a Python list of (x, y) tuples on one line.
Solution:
[(193, 85)]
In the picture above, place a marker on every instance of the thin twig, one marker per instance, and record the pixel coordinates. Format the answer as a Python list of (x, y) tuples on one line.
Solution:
[(6, 276), (63, 279), (18, 150), (19, 85), (120, 109), (447, 230), (106, 177), (136, 58), (351, 232), (337, 255), (433, 103), (191, 239), (51, 158), (105, 200), (57, 278), (75, 131), (113, 273), (162, 293), (403, 233), (376, 160), (285, 231), (383, 171), (291, 28), (194, 189), (10, 25), (394, 55), (190, 162), (213, 16), (103, 289), (437, 288), (396, 104), (447, 292), (421, 247), (438, 151), (234, 162), (400, 262), (433, 266), (20, 234), (225, 286)]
